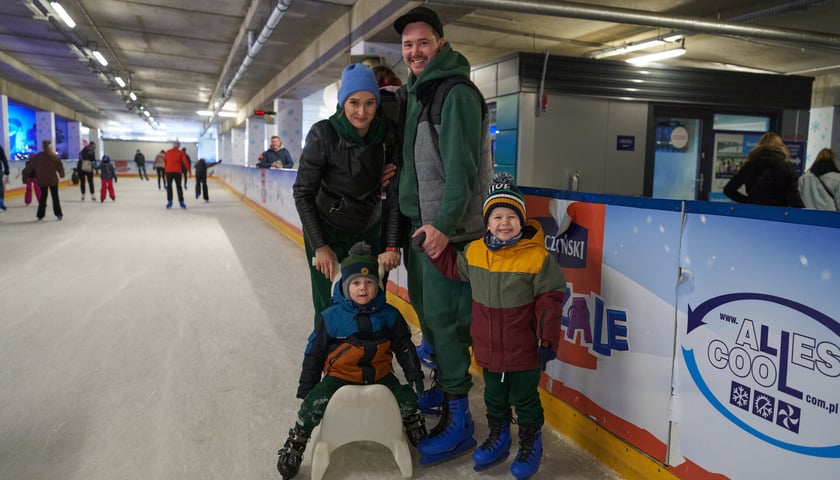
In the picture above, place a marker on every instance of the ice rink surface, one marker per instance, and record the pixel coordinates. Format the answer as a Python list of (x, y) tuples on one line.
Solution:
[(143, 343)]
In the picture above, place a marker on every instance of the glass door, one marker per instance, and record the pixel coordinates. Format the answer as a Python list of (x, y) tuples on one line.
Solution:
[(677, 156)]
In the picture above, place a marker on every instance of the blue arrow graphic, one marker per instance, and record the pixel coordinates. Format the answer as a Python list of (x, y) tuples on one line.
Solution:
[(695, 316)]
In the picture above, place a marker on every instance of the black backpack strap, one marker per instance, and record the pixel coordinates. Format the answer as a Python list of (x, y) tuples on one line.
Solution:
[(819, 177), (433, 94)]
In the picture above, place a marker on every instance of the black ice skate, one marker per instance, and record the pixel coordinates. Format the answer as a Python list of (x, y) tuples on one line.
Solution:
[(291, 455)]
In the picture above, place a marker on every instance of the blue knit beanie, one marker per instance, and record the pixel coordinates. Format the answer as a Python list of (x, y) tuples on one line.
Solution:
[(356, 78)]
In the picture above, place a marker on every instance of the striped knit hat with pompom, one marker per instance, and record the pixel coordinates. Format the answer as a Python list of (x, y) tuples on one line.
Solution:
[(359, 263), (504, 193)]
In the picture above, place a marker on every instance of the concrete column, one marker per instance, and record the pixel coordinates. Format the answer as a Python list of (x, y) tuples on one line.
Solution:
[(4, 125), (255, 141), (237, 145), (208, 149), (94, 136), (225, 152), (44, 128), (824, 132), (74, 140), (288, 125)]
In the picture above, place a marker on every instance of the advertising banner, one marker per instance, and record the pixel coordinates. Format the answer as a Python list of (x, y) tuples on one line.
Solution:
[(730, 152), (758, 361), (616, 351), (702, 335), (271, 189)]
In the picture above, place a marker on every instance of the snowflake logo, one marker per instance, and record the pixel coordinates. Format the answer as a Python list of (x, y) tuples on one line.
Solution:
[(788, 416), (815, 127), (763, 406), (739, 395)]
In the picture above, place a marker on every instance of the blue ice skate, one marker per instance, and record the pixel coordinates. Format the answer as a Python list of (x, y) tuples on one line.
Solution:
[(496, 448), (529, 456), (452, 436)]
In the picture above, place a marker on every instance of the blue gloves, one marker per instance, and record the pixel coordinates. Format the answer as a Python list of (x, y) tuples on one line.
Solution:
[(544, 354), (419, 388)]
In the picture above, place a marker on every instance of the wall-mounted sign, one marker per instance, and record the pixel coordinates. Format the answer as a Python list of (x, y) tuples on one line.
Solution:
[(679, 137), (625, 143)]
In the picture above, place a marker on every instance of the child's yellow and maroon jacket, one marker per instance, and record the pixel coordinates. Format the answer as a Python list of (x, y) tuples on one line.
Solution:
[(517, 296)]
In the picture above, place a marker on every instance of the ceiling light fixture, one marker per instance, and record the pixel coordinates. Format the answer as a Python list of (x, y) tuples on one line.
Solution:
[(119, 81), (657, 56), (228, 114), (632, 47), (82, 56), (204, 113), (68, 20), (100, 58), (37, 14), (132, 96)]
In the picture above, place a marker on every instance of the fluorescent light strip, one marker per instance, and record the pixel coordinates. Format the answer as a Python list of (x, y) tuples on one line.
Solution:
[(100, 58), (654, 57), (628, 48), (132, 96), (208, 113), (68, 20), (119, 81)]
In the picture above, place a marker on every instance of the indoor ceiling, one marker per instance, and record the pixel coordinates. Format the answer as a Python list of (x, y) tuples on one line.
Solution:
[(182, 56)]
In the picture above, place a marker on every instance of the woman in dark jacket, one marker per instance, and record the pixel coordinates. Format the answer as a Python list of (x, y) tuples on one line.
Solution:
[(338, 191), (768, 176), (47, 168), (85, 167)]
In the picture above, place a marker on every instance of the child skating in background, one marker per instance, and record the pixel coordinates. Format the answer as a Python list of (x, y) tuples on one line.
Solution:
[(108, 176), (517, 294), (354, 342), (31, 187)]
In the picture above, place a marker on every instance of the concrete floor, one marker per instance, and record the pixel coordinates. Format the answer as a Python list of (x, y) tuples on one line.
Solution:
[(143, 343)]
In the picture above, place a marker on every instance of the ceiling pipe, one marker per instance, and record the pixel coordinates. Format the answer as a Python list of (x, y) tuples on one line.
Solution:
[(254, 48), (234, 50), (651, 19), (748, 17)]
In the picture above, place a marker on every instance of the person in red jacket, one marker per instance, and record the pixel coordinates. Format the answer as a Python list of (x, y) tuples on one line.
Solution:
[(175, 161)]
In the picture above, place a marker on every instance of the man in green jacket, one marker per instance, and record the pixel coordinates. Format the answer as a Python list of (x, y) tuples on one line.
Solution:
[(441, 189)]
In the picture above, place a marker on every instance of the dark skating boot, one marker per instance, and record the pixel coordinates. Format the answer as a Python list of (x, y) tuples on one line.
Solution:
[(291, 455), (415, 428), (497, 446), (430, 401), (528, 457), (453, 435), (424, 353)]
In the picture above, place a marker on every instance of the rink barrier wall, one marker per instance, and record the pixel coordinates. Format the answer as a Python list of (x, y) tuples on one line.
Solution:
[(651, 282), (252, 185)]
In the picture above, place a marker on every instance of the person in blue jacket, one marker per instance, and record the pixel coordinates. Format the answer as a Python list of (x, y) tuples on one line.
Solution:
[(276, 156), (354, 343), (108, 175)]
